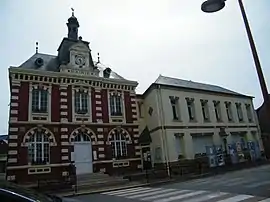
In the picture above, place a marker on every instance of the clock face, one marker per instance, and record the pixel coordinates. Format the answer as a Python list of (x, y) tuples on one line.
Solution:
[(80, 60)]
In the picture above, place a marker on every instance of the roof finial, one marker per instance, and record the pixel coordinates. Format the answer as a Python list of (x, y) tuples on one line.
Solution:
[(72, 9), (98, 58), (36, 47)]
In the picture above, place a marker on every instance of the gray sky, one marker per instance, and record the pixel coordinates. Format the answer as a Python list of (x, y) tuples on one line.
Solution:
[(140, 39)]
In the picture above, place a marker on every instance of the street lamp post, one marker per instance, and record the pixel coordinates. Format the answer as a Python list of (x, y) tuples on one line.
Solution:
[(211, 6)]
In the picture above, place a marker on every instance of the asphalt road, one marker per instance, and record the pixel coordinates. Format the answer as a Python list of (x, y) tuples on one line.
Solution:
[(246, 185)]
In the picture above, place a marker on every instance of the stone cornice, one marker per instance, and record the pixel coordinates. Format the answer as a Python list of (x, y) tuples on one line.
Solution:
[(64, 76)]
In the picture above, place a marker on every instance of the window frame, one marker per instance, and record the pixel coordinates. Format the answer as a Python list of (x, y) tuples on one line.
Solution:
[(239, 112), (122, 145), (249, 112), (33, 153), (191, 109), (175, 108), (205, 110), (81, 98), (116, 105), (217, 109), (228, 106), (37, 103)]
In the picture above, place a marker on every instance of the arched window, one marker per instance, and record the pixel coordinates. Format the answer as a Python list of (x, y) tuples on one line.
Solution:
[(39, 148), (82, 137), (119, 145)]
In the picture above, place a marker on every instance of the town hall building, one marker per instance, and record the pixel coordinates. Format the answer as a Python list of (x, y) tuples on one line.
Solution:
[(67, 109)]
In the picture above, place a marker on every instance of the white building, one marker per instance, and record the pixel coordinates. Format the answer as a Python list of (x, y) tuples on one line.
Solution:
[(184, 117)]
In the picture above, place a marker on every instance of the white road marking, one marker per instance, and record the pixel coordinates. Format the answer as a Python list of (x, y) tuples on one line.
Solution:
[(173, 198), (138, 192), (165, 195), (122, 191), (151, 193), (206, 197), (236, 198)]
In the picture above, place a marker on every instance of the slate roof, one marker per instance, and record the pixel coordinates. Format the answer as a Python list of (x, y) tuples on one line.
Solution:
[(169, 81), (51, 64)]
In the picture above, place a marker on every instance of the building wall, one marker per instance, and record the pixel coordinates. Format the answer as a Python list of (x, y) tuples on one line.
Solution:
[(164, 138), (61, 123)]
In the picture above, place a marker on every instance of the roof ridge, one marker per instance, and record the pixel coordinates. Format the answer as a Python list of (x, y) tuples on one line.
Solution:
[(195, 85)]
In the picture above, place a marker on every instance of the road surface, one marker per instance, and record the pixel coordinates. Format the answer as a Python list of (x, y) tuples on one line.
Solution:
[(246, 186)]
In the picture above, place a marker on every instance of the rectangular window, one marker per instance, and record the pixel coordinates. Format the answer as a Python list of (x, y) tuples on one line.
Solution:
[(175, 107), (249, 112), (205, 110), (178, 145), (116, 105), (81, 102), (39, 101), (239, 111), (228, 106), (140, 109), (191, 109), (217, 110)]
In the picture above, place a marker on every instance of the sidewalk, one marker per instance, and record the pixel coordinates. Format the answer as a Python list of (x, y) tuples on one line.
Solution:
[(155, 182)]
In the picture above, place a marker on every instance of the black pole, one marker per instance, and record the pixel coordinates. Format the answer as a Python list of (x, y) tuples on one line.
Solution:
[(255, 54)]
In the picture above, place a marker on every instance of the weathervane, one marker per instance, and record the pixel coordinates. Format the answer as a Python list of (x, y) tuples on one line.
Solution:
[(98, 58), (72, 9)]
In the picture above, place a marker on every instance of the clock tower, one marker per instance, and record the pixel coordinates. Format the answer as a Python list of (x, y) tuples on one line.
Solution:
[(74, 53)]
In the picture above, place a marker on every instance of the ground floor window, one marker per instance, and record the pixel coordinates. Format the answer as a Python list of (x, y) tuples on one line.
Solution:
[(39, 149), (119, 145)]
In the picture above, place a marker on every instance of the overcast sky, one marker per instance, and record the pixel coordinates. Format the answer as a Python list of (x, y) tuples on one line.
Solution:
[(140, 39)]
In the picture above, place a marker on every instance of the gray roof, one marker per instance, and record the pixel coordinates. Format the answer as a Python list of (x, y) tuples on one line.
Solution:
[(163, 80), (50, 63)]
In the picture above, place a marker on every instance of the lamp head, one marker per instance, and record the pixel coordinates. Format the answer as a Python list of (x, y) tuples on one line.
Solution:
[(211, 6)]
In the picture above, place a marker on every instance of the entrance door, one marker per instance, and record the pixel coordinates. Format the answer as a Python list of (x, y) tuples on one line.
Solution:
[(83, 157)]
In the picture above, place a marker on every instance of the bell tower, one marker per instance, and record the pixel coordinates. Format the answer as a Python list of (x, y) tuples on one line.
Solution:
[(73, 26)]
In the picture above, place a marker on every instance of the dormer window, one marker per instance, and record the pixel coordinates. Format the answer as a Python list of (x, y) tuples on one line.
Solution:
[(116, 104), (39, 100), (81, 102)]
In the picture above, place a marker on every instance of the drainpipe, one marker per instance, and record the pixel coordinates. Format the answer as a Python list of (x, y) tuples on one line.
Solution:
[(163, 131)]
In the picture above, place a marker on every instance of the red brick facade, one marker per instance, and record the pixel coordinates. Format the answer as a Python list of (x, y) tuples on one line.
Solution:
[(61, 126)]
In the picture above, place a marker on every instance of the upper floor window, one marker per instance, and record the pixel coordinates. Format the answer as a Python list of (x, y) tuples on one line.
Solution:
[(39, 100), (239, 111), (175, 107), (116, 104), (205, 110), (249, 112), (191, 108), (228, 106), (217, 110), (39, 148), (81, 102)]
